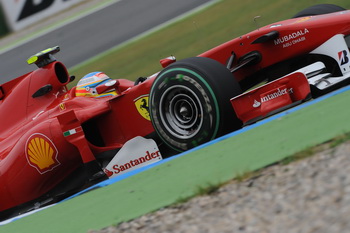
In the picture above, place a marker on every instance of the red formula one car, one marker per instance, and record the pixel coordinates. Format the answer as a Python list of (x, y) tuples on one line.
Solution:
[(55, 141)]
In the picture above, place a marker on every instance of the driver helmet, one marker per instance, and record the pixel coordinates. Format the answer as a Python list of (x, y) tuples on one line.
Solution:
[(86, 86)]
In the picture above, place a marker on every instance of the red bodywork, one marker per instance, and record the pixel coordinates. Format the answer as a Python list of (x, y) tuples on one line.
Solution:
[(296, 37), (35, 155), (281, 93), (43, 140)]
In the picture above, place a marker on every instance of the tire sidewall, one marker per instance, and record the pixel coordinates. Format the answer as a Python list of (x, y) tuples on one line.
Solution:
[(193, 80), (319, 9)]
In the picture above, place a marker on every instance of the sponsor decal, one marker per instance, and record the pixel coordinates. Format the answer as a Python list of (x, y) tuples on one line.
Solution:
[(62, 106), (22, 13), (66, 97), (275, 25), (37, 115), (272, 96), (118, 168), (72, 131), (32, 7), (343, 57), (301, 20), (41, 153), (256, 104), (292, 39), (142, 106)]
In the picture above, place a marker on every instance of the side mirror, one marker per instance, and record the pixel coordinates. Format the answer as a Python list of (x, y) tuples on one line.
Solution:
[(42, 91), (167, 61), (113, 84), (2, 94), (71, 78)]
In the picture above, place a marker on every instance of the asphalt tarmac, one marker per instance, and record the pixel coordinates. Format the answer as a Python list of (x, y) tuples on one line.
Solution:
[(95, 33)]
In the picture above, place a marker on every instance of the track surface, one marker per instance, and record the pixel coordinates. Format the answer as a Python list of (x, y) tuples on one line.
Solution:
[(96, 33)]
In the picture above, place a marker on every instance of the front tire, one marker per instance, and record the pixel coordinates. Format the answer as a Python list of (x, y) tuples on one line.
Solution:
[(319, 9), (190, 103)]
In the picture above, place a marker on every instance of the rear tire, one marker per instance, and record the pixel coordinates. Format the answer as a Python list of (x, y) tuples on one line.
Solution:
[(319, 9), (190, 103)]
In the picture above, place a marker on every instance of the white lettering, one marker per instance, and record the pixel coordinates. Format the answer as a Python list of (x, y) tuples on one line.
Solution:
[(272, 96), (294, 35)]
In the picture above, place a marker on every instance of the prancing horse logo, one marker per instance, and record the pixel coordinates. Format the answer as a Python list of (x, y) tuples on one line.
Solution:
[(142, 106)]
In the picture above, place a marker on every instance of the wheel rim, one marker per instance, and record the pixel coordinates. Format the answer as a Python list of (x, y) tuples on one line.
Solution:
[(181, 112)]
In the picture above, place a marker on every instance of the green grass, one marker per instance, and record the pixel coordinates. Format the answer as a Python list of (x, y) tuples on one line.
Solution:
[(193, 35), (207, 189)]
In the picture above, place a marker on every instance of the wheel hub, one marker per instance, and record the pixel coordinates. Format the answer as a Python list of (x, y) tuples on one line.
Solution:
[(181, 112)]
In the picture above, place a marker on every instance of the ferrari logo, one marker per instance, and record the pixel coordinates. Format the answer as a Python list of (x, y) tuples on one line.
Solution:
[(41, 153), (62, 106), (142, 106)]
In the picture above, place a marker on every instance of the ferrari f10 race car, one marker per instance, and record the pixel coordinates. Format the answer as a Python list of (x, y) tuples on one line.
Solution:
[(55, 141)]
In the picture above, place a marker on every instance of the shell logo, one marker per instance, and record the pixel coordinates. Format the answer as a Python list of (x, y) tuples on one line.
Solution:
[(41, 153)]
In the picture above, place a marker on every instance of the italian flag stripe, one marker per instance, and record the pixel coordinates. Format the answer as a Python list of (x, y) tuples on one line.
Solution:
[(72, 131)]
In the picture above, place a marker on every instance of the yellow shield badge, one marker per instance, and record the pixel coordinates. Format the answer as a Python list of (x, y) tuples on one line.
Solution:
[(142, 106), (41, 153)]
